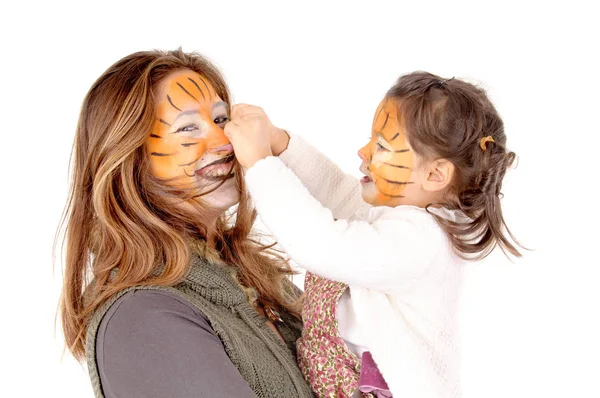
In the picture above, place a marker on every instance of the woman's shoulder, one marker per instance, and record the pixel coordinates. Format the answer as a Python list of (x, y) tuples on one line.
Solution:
[(140, 306), (149, 340), (144, 317)]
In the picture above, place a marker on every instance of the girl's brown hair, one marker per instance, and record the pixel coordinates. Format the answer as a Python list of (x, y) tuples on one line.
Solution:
[(447, 119), (119, 217)]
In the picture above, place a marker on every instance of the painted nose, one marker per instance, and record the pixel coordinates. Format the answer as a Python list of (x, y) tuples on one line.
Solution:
[(219, 143), (222, 150), (362, 155)]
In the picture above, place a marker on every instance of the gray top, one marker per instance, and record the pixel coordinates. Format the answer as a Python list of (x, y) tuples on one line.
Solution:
[(153, 343), (154, 349)]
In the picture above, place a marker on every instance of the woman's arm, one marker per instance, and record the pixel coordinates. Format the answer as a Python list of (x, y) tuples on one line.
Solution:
[(334, 189), (393, 249), (155, 344)]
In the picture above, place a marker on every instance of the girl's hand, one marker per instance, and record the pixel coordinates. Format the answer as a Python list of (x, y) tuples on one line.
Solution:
[(250, 132), (280, 140)]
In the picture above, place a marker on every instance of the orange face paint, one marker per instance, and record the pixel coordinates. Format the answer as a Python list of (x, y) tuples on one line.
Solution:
[(388, 158), (190, 118)]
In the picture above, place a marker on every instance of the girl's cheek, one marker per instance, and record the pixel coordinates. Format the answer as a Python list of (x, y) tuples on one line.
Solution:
[(382, 157)]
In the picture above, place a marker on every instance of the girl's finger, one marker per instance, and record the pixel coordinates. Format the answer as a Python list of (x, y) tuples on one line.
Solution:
[(238, 109), (231, 129)]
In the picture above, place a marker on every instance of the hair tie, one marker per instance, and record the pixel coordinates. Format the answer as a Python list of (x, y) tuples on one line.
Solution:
[(442, 82), (484, 141)]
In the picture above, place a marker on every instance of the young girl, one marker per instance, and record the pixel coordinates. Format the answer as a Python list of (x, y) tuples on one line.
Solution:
[(430, 199)]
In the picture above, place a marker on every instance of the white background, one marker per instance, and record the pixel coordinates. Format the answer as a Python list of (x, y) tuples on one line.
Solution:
[(529, 328)]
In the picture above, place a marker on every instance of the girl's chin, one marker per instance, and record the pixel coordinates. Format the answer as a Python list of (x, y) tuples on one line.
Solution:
[(368, 192)]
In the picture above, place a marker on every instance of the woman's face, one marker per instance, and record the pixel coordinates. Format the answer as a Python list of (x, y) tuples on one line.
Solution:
[(187, 145)]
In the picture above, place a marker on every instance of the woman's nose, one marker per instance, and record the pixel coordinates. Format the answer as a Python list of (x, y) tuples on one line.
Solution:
[(223, 149), (218, 142)]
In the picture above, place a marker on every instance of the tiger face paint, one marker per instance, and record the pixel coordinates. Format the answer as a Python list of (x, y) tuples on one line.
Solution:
[(187, 145), (388, 160)]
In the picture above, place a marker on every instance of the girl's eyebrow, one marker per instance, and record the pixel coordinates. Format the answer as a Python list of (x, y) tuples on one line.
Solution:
[(380, 135)]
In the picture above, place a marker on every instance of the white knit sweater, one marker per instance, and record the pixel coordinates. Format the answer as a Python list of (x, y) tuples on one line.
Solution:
[(403, 275)]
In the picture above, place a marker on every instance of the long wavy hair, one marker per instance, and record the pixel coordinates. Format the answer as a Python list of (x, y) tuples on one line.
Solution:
[(119, 217), (448, 118)]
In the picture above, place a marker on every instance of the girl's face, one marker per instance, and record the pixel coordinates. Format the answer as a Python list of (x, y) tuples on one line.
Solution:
[(187, 145), (389, 162)]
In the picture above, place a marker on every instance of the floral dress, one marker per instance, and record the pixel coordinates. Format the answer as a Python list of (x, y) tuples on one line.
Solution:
[(327, 363)]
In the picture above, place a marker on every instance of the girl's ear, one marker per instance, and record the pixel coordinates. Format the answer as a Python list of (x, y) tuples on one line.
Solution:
[(438, 175)]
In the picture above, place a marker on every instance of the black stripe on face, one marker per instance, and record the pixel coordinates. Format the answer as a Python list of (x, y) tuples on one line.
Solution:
[(396, 165), (186, 144), (163, 122), (172, 104), (198, 87), (396, 136), (205, 85), (155, 136), (390, 181), (161, 154), (391, 196), (378, 113), (402, 150), (387, 116), (187, 92)]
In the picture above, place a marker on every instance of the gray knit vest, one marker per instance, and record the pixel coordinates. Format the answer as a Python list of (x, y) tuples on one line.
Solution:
[(264, 361)]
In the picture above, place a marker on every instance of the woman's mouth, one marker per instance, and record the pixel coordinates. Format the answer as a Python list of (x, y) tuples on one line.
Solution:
[(217, 170), (366, 180)]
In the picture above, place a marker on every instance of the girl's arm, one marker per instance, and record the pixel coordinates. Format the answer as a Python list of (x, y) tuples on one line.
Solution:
[(334, 189), (393, 250)]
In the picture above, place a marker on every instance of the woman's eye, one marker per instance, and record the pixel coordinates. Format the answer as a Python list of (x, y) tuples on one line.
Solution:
[(381, 147), (187, 128), (221, 119)]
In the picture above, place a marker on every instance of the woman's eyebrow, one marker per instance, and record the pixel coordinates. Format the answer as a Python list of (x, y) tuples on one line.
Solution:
[(192, 112), (220, 103)]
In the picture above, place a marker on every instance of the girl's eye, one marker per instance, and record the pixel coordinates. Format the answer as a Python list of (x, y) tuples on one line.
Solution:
[(381, 147), (221, 119)]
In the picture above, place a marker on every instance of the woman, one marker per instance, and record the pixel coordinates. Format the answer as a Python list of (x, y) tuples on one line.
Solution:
[(182, 302)]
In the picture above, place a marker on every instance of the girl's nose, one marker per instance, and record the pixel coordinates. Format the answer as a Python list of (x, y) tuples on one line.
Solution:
[(362, 155)]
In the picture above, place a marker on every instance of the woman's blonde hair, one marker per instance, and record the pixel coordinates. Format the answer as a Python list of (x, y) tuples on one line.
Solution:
[(120, 222)]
